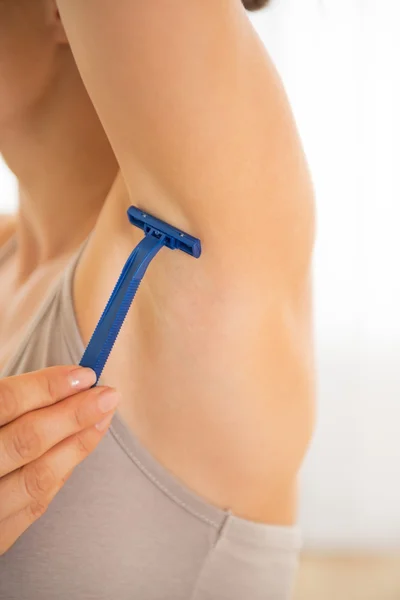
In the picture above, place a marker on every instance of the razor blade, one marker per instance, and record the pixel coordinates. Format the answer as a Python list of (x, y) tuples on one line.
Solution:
[(158, 234)]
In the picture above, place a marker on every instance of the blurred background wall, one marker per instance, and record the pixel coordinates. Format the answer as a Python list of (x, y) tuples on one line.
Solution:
[(339, 60)]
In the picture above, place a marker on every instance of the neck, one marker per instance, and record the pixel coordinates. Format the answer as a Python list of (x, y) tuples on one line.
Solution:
[(64, 165)]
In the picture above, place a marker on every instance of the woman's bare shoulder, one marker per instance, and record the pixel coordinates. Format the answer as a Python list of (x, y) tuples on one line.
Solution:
[(7, 228)]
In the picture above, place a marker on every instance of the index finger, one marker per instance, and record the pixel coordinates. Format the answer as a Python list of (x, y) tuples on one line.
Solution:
[(21, 394)]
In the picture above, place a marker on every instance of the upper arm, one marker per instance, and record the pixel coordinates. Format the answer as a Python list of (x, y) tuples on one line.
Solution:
[(205, 140), (195, 110)]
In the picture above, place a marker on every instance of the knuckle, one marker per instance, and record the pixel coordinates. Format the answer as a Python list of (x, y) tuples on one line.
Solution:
[(37, 509), (47, 386), (82, 446), (78, 417), (39, 481), (8, 402), (25, 443)]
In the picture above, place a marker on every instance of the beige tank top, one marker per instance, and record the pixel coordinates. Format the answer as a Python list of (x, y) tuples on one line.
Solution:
[(123, 527)]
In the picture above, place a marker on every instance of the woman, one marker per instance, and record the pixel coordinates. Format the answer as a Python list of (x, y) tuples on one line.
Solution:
[(192, 491)]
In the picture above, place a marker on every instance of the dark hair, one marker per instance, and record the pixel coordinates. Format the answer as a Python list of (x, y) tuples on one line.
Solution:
[(255, 4)]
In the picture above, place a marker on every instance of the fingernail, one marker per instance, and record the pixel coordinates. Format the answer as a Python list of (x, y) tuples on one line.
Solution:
[(108, 400), (103, 425), (82, 379)]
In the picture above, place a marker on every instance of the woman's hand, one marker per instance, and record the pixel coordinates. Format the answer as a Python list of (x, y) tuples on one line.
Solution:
[(49, 422)]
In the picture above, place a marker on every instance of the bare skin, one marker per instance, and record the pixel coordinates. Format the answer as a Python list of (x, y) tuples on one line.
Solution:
[(214, 364)]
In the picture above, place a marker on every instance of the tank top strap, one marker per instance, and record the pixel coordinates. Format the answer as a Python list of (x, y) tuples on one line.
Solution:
[(59, 292), (8, 248)]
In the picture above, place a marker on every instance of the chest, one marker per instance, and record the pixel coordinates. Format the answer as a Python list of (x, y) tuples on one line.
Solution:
[(20, 303)]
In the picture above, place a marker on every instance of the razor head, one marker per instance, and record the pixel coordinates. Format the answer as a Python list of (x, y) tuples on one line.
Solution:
[(174, 238)]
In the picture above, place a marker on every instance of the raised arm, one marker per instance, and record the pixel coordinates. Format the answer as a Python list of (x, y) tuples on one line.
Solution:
[(205, 139)]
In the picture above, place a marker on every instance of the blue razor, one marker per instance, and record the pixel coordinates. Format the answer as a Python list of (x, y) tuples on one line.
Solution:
[(157, 235)]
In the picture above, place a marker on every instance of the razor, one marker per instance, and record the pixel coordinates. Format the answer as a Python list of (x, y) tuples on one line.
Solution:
[(157, 234)]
